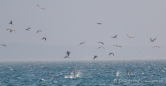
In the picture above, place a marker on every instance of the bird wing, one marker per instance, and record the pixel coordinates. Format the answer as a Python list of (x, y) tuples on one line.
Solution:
[(128, 35), (38, 6), (154, 39)]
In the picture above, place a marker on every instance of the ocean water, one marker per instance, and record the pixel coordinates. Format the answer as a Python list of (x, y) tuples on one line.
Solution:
[(83, 73)]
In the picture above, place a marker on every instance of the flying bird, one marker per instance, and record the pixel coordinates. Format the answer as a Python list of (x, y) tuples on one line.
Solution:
[(81, 43), (68, 53), (11, 23), (99, 23), (101, 47), (114, 36), (111, 53), (38, 31), (117, 46), (101, 42), (10, 30), (130, 36), (94, 57), (28, 28), (152, 40), (156, 47), (40, 7), (3, 45), (44, 38)]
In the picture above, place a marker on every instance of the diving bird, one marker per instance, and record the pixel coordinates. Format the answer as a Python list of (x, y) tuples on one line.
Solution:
[(44, 38), (130, 36), (10, 30), (100, 42), (152, 40), (68, 53), (40, 7), (28, 28), (101, 47), (3, 45), (156, 47), (95, 56), (99, 23), (114, 36), (81, 43), (117, 46), (11, 22), (111, 53), (38, 31)]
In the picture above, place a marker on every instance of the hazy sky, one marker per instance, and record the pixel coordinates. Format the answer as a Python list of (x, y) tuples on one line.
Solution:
[(66, 23)]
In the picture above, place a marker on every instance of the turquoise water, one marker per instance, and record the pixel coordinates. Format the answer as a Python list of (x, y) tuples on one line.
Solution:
[(83, 73)]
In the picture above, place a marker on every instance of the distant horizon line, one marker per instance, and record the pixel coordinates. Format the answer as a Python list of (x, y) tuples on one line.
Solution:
[(87, 60)]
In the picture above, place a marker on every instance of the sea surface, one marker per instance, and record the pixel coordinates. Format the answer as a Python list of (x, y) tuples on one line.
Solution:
[(83, 73)]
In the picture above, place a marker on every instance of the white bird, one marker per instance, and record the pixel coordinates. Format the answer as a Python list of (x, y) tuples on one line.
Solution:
[(40, 7), (11, 22), (130, 36), (10, 30), (114, 36), (3, 45), (44, 38), (101, 42), (156, 47), (99, 23), (38, 31), (117, 46), (101, 47), (81, 43), (152, 40), (117, 73), (111, 53)]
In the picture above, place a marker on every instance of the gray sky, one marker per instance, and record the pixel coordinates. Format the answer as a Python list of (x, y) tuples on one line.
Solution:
[(66, 23)]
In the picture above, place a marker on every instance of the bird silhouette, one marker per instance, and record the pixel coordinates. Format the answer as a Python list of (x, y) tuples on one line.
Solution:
[(101, 47), (99, 23), (44, 38), (68, 53), (3, 45), (95, 56), (11, 22), (111, 53), (28, 28), (10, 30), (117, 46), (100, 42), (130, 36), (40, 7), (81, 43), (114, 36), (152, 40), (38, 31), (156, 47)]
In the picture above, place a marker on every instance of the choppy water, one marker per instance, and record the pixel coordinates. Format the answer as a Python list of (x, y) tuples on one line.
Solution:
[(83, 73)]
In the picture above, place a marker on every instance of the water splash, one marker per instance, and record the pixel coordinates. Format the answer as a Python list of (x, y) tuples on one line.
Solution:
[(74, 75)]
